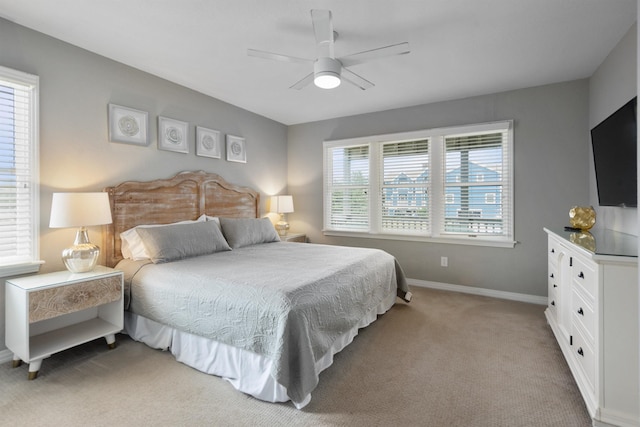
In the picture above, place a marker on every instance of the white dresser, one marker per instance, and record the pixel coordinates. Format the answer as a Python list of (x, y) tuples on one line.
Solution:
[(593, 312)]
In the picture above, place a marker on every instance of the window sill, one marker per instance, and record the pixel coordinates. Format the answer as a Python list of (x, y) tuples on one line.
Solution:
[(18, 269), (469, 241)]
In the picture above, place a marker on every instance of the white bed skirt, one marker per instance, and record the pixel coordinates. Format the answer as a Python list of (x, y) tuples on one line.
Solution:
[(248, 372)]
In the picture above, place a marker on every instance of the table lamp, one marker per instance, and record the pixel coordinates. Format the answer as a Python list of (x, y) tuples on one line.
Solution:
[(282, 205), (80, 210)]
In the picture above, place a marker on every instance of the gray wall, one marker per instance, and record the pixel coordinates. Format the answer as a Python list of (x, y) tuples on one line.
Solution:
[(75, 154), (611, 86), (551, 175)]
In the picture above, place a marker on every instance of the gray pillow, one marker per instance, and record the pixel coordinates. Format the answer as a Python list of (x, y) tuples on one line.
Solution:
[(178, 241), (241, 232)]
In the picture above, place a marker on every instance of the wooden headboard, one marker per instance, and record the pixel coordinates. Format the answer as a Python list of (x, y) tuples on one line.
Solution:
[(185, 196)]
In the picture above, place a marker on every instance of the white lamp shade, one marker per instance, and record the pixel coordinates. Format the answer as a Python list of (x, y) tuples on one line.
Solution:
[(281, 204), (79, 210)]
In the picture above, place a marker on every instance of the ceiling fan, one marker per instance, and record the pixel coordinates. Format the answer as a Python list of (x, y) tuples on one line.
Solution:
[(329, 71)]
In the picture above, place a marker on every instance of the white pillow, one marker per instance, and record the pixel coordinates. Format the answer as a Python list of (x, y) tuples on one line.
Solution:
[(132, 246), (205, 217)]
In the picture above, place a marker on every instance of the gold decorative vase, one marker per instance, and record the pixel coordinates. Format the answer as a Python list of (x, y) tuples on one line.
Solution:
[(582, 217)]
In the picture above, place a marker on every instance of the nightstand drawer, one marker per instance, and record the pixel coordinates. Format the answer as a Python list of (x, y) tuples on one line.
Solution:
[(294, 237), (53, 302)]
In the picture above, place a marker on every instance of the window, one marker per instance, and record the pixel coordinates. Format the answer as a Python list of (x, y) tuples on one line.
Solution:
[(19, 191), (404, 181), (448, 184), (349, 194)]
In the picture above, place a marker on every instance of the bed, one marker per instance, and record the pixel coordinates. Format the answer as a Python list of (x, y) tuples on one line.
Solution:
[(209, 280)]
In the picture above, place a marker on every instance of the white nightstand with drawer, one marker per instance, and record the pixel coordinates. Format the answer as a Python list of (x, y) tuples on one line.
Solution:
[(48, 313)]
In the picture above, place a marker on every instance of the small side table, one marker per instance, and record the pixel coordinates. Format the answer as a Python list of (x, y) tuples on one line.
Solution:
[(48, 313), (294, 237)]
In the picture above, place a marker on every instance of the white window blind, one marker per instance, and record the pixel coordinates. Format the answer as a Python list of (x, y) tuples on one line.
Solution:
[(405, 187), (477, 179), (19, 208), (347, 187), (450, 185)]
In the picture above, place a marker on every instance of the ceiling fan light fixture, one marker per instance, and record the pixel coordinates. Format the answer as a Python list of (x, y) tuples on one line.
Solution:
[(326, 73), (326, 80), (327, 69)]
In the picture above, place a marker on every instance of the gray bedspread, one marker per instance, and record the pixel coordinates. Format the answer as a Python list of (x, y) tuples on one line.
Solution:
[(285, 301)]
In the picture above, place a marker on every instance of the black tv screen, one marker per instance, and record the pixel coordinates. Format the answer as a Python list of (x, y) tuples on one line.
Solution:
[(614, 155)]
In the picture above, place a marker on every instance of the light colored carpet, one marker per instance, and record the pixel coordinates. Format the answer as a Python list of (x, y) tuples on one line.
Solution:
[(446, 359)]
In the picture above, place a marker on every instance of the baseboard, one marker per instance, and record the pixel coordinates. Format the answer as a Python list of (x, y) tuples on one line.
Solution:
[(533, 299), (5, 356)]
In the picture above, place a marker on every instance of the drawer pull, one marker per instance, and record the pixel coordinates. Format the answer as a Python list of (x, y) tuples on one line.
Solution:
[(580, 352), (553, 303), (555, 286), (581, 275), (580, 312), (551, 275), (553, 251)]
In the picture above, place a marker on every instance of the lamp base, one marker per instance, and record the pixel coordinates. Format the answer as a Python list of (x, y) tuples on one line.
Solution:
[(282, 227), (83, 255)]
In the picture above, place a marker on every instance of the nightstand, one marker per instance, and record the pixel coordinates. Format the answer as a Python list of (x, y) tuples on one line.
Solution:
[(48, 313), (294, 237)]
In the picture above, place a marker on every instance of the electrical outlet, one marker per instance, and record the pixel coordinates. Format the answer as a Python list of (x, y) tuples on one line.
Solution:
[(444, 261)]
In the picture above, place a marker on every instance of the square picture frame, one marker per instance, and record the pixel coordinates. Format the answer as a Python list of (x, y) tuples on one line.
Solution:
[(128, 125), (208, 143), (173, 135), (236, 149)]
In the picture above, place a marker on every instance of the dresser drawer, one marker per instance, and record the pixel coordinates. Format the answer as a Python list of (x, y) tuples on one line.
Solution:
[(552, 277), (585, 275), (553, 251), (552, 292), (584, 315), (52, 302), (553, 307), (584, 355)]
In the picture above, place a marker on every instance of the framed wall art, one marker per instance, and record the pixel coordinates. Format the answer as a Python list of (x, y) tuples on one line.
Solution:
[(128, 125), (208, 143), (236, 149), (173, 135)]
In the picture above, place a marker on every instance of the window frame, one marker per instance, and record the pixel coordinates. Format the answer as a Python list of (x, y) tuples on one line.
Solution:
[(437, 188), (31, 83)]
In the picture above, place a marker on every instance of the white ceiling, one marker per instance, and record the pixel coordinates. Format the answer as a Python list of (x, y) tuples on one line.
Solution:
[(459, 48)]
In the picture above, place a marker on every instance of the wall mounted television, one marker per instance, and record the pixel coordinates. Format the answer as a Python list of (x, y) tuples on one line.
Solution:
[(614, 155)]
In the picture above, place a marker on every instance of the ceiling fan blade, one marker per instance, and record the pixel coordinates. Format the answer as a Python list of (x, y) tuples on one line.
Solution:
[(323, 30), (356, 80), (276, 56), (303, 82), (369, 55)]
